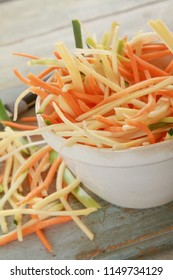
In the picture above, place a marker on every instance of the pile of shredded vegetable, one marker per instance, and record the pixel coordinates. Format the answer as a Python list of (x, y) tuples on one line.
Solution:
[(35, 185), (114, 93)]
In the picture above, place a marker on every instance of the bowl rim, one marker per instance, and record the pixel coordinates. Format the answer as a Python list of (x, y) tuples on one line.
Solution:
[(133, 156)]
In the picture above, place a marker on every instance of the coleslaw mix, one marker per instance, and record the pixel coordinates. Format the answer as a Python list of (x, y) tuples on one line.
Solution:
[(116, 93)]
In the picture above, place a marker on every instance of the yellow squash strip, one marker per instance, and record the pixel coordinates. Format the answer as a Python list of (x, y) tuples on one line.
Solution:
[(70, 63), (163, 32)]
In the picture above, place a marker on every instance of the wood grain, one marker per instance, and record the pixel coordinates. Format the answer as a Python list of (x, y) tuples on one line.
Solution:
[(120, 233), (44, 17)]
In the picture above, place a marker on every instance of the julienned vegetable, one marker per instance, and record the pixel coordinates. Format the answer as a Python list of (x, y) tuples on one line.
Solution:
[(115, 93), (77, 33), (37, 184)]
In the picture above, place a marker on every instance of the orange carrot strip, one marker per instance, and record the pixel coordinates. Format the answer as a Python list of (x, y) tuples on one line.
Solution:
[(147, 74), (55, 116), (46, 183), (91, 60), (35, 158), (152, 68), (154, 47), (53, 169), (70, 99), (31, 229), (87, 97), (154, 55), (59, 79), (46, 71), (83, 106), (39, 92), (133, 63), (19, 126), (143, 127), (44, 240), (126, 75), (104, 120), (110, 113), (169, 67), (165, 92), (97, 87), (48, 117), (86, 85), (130, 89), (28, 119), (57, 54), (26, 55), (21, 77), (39, 232), (114, 129), (35, 81), (93, 86), (64, 71), (150, 105), (38, 171), (69, 117), (55, 84)]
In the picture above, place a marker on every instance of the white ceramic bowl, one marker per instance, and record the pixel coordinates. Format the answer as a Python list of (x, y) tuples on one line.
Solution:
[(140, 177)]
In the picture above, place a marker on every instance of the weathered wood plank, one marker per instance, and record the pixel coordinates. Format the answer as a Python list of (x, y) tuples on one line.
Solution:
[(120, 233), (36, 18)]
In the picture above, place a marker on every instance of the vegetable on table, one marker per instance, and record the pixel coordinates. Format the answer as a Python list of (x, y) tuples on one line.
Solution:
[(41, 204), (39, 168)]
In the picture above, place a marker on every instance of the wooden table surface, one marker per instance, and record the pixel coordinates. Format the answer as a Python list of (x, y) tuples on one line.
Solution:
[(33, 27)]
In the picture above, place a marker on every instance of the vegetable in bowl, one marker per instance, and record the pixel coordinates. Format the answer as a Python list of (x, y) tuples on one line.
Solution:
[(110, 94), (120, 145), (110, 105)]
